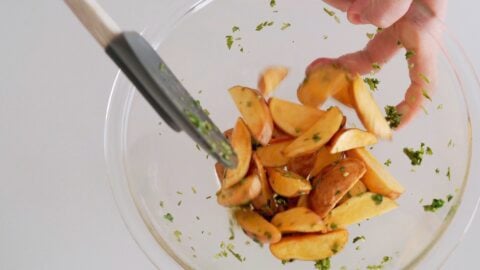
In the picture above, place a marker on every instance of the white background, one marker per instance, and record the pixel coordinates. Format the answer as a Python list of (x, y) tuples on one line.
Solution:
[(56, 207)]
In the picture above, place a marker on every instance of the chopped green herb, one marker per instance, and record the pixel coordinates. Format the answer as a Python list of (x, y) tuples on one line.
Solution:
[(333, 226), (358, 238), (388, 162), (358, 247), (325, 37), (342, 169), (424, 78), (287, 261), (232, 232), (416, 156), (197, 146), (334, 248), (179, 193), (374, 267), (179, 203), (450, 143), (230, 248), (168, 217), (409, 54), (178, 235), (393, 116), (376, 66), (229, 40), (425, 94), (316, 137), (424, 109), (440, 106), (329, 12), (279, 200), (370, 35), (437, 170), (197, 217), (208, 197), (448, 174), (194, 190), (434, 206), (372, 83), (429, 151), (377, 198), (323, 264), (298, 130), (263, 25), (420, 201), (161, 204), (285, 26), (235, 29), (273, 3), (449, 197)]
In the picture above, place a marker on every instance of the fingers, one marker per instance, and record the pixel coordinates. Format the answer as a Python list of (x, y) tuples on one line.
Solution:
[(381, 13), (378, 51), (342, 5)]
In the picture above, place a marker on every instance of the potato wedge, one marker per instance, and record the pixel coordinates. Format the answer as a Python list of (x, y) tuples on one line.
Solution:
[(317, 136), (377, 178), (272, 155), (322, 83), (258, 228), (303, 201), (242, 144), (264, 201), (358, 189), (351, 138), (357, 209), (323, 159), (368, 111), (302, 165), (220, 171), (310, 247), (270, 79), (242, 193), (298, 219), (333, 183), (293, 118), (287, 184), (279, 136), (254, 111), (344, 96)]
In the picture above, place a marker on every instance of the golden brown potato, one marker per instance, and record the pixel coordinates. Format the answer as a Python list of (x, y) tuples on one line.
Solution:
[(344, 96), (242, 145), (322, 83), (264, 201), (302, 165), (258, 228), (241, 193), (358, 189), (368, 110), (323, 159), (254, 111), (333, 183), (270, 79), (279, 136), (293, 118), (272, 155), (351, 138), (298, 219), (228, 133), (310, 247), (220, 171), (317, 136), (377, 178), (287, 184), (359, 208)]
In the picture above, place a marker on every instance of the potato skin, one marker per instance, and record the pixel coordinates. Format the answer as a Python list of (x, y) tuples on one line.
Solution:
[(241, 193), (298, 219), (256, 227), (287, 184), (333, 183)]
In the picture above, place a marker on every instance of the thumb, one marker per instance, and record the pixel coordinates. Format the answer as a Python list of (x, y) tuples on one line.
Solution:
[(381, 13)]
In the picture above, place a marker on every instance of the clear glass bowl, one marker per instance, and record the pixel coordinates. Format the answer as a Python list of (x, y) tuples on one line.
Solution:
[(155, 171)]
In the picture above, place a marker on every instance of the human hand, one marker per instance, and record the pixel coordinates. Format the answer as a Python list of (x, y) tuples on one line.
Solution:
[(408, 23)]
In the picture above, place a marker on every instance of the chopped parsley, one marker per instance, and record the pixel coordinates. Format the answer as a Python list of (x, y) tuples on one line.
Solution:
[(263, 25), (279, 200), (376, 66), (168, 217), (316, 137), (323, 264), (377, 198), (179, 193), (287, 261), (434, 206), (385, 260), (232, 232), (437, 170), (448, 174), (161, 204), (229, 40), (424, 78), (235, 29), (331, 13), (449, 197), (285, 26), (179, 203), (388, 162), (239, 257), (416, 156), (372, 83), (426, 95), (409, 54), (194, 190), (273, 3), (333, 226), (450, 143), (178, 235), (393, 116), (358, 238), (440, 106), (370, 35)]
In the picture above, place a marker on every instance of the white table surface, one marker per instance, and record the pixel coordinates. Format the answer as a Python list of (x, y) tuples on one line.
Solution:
[(56, 207)]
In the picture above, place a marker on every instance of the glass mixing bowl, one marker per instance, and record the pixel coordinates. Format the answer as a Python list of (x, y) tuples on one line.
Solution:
[(155, 171)]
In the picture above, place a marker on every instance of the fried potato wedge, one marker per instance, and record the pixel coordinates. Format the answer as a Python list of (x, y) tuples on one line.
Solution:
[(220, 171), (358, 189), (242, 145), (377, 178), (344, 95), (241, 193), (264, 201), (279, 136), (368, 111), (270, 79), (310, 247), (258, 228), (359, 208), (322, 83), (317, 135), (255, 112), (351, 138), (302, 201), (293, 118), (323, 159), (333, 183), (287, 184), (298, 219), (302, 165), (272, 155)]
